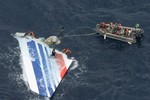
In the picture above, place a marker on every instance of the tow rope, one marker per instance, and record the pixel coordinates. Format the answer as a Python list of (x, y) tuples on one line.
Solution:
[(80, 35)]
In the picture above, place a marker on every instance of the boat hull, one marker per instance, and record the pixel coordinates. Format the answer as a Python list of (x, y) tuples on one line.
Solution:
[(121, 34)]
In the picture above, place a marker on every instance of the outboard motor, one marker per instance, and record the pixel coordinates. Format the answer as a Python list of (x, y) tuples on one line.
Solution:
[(139, 37)]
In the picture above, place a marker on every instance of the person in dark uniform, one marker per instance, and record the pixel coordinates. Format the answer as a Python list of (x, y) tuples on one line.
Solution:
[(53, 53)]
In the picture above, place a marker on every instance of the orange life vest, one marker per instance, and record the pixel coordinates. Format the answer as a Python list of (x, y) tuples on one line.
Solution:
[(126, 31), (31, 34), (102, 25), (66, 51)]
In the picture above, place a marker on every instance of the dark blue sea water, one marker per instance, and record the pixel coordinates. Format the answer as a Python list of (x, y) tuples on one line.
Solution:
[(106, 71)]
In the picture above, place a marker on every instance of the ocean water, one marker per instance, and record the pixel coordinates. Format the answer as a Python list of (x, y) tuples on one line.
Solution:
[(105, 71)]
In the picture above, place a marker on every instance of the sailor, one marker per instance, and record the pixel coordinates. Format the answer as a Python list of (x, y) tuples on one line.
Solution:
[(53, 53), (119, 26), (126, 31), (102, 25), (30, 34), (66, 51), (111, 25)]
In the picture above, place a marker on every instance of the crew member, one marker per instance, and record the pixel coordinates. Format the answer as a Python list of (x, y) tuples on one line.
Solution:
[(53, 52), (111, 25), (102, 25), (30, 34), (119, 26), (126, 31), (66, 51)]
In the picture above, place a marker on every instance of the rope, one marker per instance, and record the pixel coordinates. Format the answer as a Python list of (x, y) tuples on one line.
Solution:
[(80, 35), (80, 28)]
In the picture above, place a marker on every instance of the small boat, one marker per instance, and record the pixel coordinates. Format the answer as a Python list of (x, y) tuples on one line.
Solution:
[(116, 31), (43, 70)]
